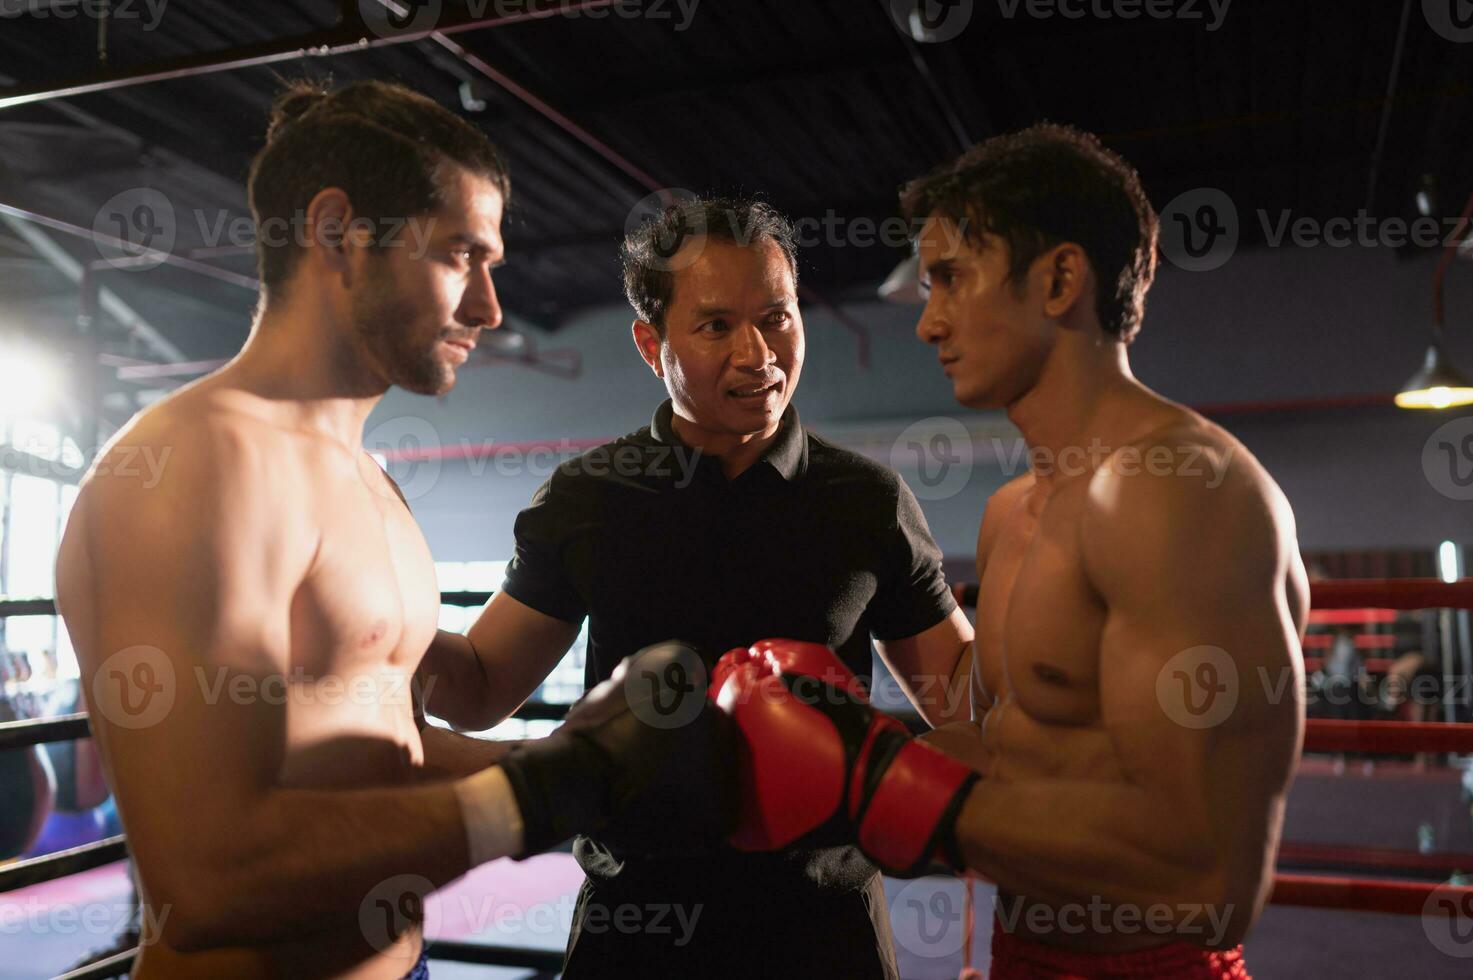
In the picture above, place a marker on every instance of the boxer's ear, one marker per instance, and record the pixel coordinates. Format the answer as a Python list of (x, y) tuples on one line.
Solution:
[(1067, 278), (326, 231)]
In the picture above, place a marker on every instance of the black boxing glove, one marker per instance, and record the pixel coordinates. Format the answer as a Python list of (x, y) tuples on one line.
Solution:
[(643, 748)]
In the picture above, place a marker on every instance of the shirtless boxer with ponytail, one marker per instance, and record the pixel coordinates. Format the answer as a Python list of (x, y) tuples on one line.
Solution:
[(248, 627)]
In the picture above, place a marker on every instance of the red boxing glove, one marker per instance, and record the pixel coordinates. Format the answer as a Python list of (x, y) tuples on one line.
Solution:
[(818, 762)]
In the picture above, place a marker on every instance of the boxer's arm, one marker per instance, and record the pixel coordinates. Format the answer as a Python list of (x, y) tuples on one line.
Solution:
[(477, 680), (1189, 821), (199, 574), (935, 669), (449, 754)]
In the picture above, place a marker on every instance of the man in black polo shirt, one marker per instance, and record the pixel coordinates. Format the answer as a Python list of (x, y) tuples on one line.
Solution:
[(722, 523)]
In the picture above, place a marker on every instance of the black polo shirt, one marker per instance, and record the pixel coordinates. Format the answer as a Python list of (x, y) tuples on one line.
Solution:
[(648, 538)]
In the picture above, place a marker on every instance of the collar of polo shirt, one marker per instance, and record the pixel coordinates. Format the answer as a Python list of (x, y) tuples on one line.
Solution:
[(788, 454)]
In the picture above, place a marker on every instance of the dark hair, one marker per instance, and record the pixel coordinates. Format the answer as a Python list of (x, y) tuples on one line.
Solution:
[(385, 145), (649, 250), (1043, 186)]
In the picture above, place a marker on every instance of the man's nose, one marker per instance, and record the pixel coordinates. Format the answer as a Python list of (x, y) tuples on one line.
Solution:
[(751, 350), (480, 307), (932, 326)]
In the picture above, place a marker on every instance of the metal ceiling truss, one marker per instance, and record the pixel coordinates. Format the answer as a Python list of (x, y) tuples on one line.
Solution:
[(352, 33)]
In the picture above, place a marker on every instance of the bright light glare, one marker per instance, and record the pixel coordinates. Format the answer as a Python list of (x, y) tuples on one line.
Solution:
[(1447, 561), (1439, 397), (28, 382)]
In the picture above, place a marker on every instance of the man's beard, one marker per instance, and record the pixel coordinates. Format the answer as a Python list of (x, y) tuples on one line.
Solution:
[(384, 322)]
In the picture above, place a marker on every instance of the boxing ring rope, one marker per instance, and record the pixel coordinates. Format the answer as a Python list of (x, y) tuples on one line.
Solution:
[(1387, 737), (1371, 895), (1402, 593), (39, 731), (73, 860), (1293, 854)]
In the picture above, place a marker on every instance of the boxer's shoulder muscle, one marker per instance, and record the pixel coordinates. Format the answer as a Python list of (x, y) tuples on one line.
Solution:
[(1190, 462), (1209, 509), (203, 450), (216, 481)]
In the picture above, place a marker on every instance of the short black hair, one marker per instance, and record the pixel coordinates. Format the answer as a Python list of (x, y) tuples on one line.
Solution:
[(648, 250), (1041, 187), (383, 144)]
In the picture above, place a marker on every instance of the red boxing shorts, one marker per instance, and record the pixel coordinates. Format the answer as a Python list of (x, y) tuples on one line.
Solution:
[(1023, 959)]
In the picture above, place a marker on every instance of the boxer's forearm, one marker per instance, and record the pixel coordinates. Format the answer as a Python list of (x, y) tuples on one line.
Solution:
[(296, 863), (1066, 842), (450, 754)]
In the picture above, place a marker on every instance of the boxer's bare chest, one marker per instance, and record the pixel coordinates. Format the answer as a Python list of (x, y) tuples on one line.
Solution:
[(360, 622), (1039, 622)]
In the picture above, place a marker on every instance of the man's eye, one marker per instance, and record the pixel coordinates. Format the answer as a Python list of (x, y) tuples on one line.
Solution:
[(714, 326), (779, 319)]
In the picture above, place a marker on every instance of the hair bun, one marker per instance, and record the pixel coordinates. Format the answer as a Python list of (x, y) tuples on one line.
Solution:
[(294, 102)]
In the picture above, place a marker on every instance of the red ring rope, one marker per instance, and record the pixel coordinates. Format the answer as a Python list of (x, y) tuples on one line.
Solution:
[(1381, 858), (1333, 735), (1368, 895), (1403, 593)]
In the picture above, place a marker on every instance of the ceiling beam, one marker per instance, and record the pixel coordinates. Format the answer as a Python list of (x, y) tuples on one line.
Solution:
[(108, 301), (348, 36)]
